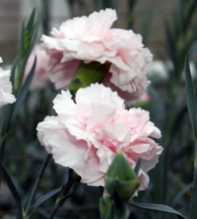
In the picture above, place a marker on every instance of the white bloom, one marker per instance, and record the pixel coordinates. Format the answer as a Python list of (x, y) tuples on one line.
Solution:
[(6, 95)]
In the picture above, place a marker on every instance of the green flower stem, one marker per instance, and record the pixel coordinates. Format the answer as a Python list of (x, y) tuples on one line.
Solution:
[(37, 181), (66, 192), (58, 205)]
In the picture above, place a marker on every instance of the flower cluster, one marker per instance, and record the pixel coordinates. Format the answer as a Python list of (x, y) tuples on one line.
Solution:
[(6, 95), (92, 127)]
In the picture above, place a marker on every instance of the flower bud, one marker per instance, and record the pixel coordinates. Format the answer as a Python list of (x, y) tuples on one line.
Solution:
[(121, 179)]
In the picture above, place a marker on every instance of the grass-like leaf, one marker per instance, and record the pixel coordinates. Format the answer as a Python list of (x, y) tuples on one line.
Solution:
[(14, 108), (20, 89), (191, 99), (189, 15), (27, 41), (13, 189), (191, 103), (171, 49), (44, 198), (37, 181), (27, 34), (158, 208), (25, 88)]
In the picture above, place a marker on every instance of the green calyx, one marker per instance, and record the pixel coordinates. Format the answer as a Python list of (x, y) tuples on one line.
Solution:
[(88, 74), (121, 179)]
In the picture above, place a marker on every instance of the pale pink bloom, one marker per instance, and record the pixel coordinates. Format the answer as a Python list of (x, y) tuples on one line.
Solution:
[(87, 133), (92, 38), (6, 96), (49, 68)]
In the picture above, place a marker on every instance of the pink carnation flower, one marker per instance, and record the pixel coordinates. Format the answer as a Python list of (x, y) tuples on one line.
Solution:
[(87, 133), (6, 95), (92, 38), (49, 67)]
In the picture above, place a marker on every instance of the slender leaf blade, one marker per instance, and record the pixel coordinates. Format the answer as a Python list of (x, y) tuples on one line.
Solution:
[(42, 199), (191, 101), (10, 183), (13, 189), (158, 208), (38, 180), (25, 88), (27, 40)]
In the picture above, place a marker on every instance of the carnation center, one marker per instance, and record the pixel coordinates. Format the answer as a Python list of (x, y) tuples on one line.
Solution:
[(89, 73)]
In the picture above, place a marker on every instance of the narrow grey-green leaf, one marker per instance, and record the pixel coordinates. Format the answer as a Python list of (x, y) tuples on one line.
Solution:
[(158, 208), (191, 100), (27, 40), (191, 103), (42, 199), (13, 189), (25, 88), (37, 181), (31, 20)]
